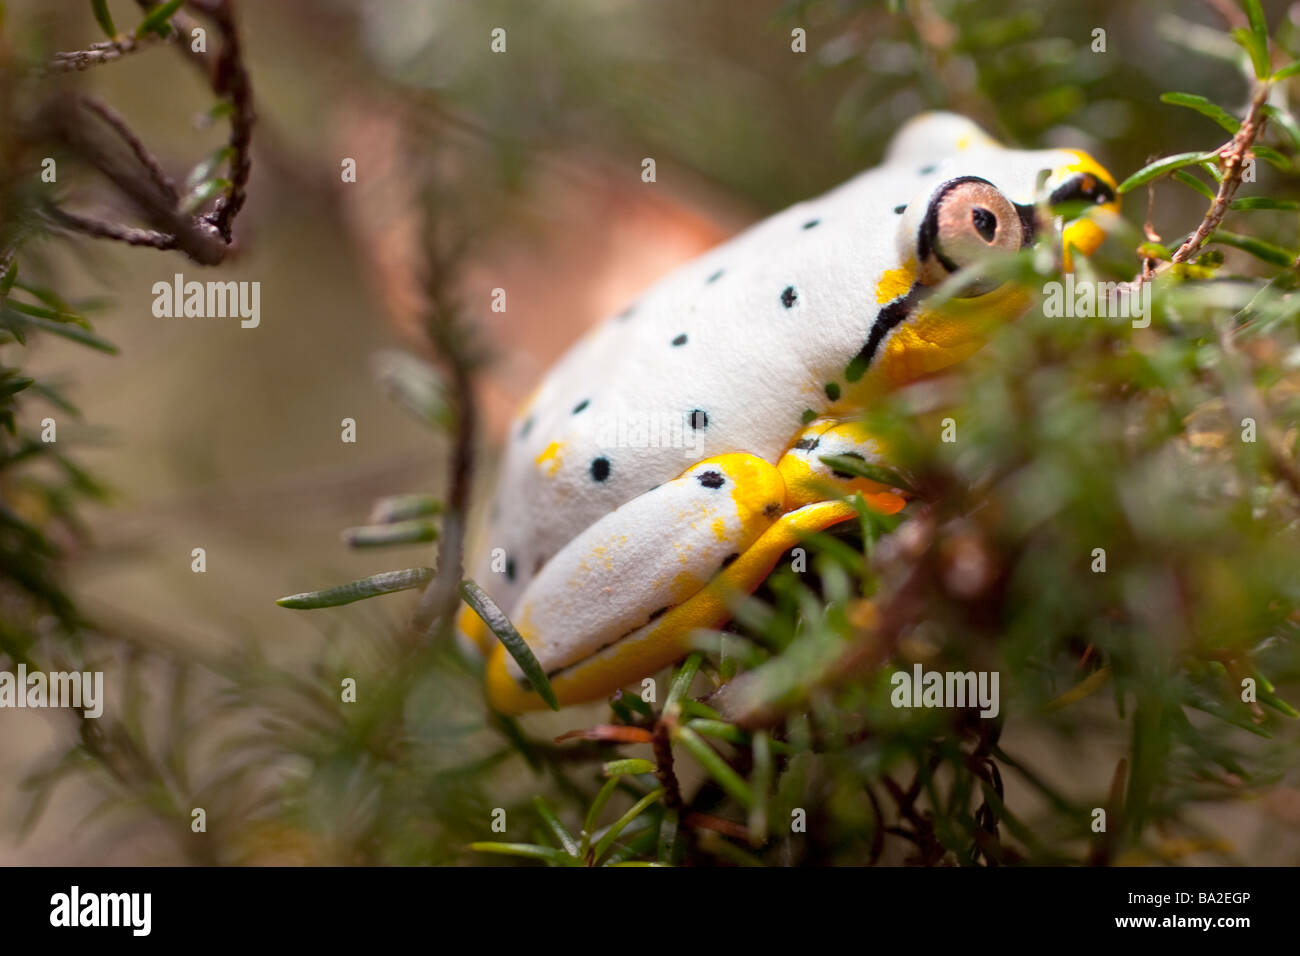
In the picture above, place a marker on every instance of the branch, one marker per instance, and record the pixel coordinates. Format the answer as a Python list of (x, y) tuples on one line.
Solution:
[(105, 51), (1233, 154), (231, 81), (146, 158), (103, 229)]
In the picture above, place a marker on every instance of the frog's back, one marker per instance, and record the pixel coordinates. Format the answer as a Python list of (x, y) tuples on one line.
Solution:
[(731, 352)]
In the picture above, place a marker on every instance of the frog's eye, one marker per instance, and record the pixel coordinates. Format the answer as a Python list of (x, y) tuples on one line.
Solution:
[(966, 220)]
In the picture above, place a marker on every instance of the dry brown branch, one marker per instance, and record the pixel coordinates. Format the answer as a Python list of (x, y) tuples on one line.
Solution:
[(205, 238), (1233, 155), (105, 51)]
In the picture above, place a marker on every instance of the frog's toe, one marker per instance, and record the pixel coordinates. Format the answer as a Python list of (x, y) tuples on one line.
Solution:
[(808, 478), (631, 567)]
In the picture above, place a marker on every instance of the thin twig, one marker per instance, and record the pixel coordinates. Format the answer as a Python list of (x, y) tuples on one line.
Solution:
[(141, 152), (231, 81), (102, 229), (105, 51), (1233, 155)]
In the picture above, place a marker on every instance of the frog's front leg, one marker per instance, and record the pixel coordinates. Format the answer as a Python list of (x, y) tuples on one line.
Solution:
[(622, 599)]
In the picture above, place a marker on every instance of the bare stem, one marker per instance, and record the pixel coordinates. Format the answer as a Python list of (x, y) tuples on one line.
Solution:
[(1233, 155), (105, 51)]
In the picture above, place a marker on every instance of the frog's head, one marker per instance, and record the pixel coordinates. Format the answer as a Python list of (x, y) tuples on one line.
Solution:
[(970, 198)]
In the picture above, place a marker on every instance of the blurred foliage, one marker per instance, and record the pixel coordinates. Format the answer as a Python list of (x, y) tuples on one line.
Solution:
[(1074, 435)]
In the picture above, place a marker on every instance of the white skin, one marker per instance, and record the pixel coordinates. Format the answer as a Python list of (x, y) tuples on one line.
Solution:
[(733, 352)]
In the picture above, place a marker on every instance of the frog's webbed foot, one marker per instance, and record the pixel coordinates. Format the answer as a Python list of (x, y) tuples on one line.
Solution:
[(622, 599)]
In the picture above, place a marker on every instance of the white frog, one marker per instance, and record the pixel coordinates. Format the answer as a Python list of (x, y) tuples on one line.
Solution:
[(674, 454)]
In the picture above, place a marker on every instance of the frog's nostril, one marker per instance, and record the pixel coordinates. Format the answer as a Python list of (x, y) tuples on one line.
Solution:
[(711, 479), (986, 224)]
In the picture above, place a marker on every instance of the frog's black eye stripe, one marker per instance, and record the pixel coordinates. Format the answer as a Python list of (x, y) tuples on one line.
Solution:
[(886, 319), (1083, 187)]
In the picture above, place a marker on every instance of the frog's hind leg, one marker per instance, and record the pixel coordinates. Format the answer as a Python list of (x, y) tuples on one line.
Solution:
[(622, 599), (633, 570), (665, 640)]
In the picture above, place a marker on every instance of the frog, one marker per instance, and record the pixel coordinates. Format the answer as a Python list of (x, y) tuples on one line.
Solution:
[(670, 458)]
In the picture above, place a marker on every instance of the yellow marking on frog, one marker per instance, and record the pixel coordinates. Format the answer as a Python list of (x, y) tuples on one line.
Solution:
[(550, 458), (667, 639), (1083, 234), (896, 282), (934, 339), (720, 529), (472, 626), (804, 485)]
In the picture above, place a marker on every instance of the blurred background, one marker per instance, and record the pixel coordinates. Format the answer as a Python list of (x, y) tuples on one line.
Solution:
[(224, 438)]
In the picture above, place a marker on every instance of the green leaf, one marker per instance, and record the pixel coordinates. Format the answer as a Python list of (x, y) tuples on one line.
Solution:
[(593, 812), (1187, 179), (202, 193), (1288, 71), (1257, 47), (11, 386), (15, 321), (500, 625), (1286, 122), (527, 850), (158, 19), (1272, 157), (682, 681), (615, 768), (761, 785), (1205, 107), (852, 465), (103, 17), (1161, 166), (415, 384), (204, 170), (403, 508), (1275, 255), (415, 531), (558, 830), (384, 583), (716, 767), (1255, 15), (621, 823), (1263, 202)]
